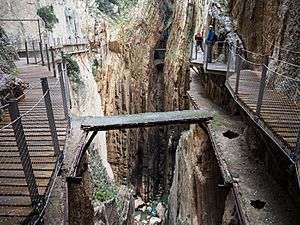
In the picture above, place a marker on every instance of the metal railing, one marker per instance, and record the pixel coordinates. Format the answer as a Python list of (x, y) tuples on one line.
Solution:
[(218, 53), (22, 138), (274, 97), (36, 52)]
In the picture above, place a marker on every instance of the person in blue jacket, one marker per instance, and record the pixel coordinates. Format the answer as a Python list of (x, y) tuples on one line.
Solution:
[(210, 41)]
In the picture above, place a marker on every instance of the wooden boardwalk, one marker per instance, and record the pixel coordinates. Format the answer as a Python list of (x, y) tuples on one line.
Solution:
[(214, 67), (15, 202), (279, 115)]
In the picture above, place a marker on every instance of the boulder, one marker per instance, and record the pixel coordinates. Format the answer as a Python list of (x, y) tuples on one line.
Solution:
[(10, 87), (138, 203), (160, 210), (114, 46), (137, 218), (154, 220)]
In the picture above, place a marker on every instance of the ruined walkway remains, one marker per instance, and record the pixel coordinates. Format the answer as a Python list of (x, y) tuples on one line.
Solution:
[(145, 120)]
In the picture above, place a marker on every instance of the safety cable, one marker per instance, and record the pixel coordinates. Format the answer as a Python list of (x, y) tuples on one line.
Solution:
[(280, 48)]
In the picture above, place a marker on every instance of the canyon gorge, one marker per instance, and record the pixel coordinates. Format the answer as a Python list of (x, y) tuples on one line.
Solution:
[(139, 60)]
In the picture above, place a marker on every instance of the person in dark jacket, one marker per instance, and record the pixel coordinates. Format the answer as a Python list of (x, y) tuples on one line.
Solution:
[(221, 39), (210, 41)]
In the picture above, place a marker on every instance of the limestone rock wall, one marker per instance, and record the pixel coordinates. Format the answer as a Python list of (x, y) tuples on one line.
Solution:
[(72, 26), (194, 198), (262, 24), (124, 61), (130, 81)]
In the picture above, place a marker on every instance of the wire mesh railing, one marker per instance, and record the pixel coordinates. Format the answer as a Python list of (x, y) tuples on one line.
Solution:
[(270, 97), (283, 94), (30, 148)]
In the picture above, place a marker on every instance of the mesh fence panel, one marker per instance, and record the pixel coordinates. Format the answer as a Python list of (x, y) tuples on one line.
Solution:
[(281, 108), (14, 187)]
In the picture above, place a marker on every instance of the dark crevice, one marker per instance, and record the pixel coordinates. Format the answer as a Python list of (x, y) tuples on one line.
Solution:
[(230, 134), (258, 204)]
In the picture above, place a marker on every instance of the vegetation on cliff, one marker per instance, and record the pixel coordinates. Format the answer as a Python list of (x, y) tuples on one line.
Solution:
[(73, 70), (47, 14)]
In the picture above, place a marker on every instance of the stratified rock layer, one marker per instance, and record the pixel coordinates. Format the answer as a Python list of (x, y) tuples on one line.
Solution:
[(131, 80)]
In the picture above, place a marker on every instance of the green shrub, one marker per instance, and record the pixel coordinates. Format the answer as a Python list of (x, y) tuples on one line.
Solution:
[(73, 70), (124, 6), (103, 190), (47, 14)]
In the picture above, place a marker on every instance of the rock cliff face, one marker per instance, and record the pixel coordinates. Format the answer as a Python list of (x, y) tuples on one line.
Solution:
[(194, 198), (72, 23), (266, 25), (131, 80)]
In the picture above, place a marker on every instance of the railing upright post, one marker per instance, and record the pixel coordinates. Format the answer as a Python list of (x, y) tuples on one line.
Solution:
[(228, 63), (237, 70), (225, 51), (196, 53), (261, 88), (47, 55), (63, 89), (41, 52), (51, 120), (191, 51), (205, 54), (27, 53), (34, 53), (24, 153), (298, 157), (66, 81), (53, 61)]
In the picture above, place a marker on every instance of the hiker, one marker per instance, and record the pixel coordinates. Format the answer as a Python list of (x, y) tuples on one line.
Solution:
[(221, 39), (199, 40), (210, 41)]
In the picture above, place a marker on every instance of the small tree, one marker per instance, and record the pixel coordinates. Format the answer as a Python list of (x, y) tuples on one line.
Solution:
[(47, 14)]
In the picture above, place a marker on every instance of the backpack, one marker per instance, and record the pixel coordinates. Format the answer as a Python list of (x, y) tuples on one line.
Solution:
[(215, 38)]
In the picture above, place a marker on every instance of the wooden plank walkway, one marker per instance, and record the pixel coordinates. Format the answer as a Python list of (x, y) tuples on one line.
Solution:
[(214, 67), (279, 115), (15, 203), (145, 120)]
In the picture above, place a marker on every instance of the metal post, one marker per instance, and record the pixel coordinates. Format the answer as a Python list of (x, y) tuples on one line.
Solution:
[(47, 55), (63, 89), (228, 63), (24, 153), (66, 81), (205, 55), (191, 51), (53, 60), (39, 27), (34, 53), (50, 116), (27, 53), (297, 150), (236, 55), (261, 88), (41, 51), (196, 53), (237, 70), (226, 51)]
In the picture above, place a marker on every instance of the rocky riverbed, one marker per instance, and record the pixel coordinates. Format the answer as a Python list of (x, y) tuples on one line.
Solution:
[(151, 213)]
